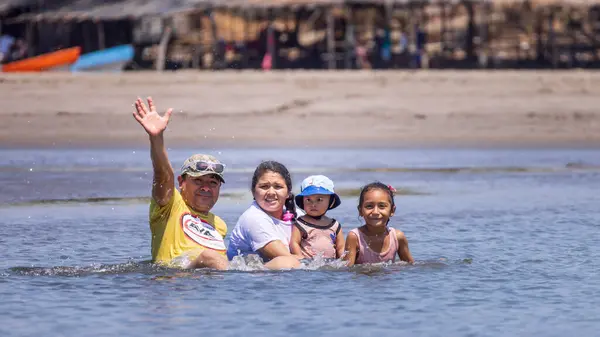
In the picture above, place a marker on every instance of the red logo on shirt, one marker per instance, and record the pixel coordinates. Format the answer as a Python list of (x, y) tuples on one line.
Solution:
[(202, 232)]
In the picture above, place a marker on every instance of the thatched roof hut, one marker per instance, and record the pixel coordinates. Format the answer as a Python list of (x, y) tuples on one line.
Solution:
[(109, 9), (8, 5), (118, 9)]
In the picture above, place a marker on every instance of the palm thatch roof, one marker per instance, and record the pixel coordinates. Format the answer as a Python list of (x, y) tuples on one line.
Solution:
[(7, 5), (118, 9)]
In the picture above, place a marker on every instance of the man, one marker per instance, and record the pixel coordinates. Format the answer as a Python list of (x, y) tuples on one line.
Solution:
[(180, 221)]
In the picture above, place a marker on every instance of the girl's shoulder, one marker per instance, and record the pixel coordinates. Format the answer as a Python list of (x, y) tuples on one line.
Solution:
[(356, 232), (399, 234)]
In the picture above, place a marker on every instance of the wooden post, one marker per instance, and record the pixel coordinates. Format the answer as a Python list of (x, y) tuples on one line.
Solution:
[(350, 38), (198, 50), (331, 57), (271, 49), (411, 37), (246, 16), (101, 38), (483, 34), (29, 34), (442, 27), (87, 43), (388, 31), (539, 29), (552, 38), (470, 40), (161, 56), (214, 37), (67, 34)]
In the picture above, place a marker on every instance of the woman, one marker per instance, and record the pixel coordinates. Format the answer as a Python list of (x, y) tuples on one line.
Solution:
[(264, 228)]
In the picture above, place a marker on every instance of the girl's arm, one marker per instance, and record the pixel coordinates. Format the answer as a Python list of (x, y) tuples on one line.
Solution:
[(340, 244), (351, 248), (403, 250), (295, 243)]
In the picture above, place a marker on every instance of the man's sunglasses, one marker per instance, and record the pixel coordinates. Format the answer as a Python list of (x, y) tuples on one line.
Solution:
[(207, 166)]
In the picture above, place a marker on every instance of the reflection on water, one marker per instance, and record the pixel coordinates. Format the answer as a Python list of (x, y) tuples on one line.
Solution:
[(247, 264), (505, 243)]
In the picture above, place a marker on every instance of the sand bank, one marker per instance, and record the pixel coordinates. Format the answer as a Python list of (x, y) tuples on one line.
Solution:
[(306, 108)]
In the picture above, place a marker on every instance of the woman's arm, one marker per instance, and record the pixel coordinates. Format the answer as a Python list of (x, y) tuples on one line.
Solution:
[(351, 249), (274, 249), (403, 250)]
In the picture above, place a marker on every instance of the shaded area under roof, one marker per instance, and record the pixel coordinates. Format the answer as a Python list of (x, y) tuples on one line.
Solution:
[(117, 9), (7, 5)]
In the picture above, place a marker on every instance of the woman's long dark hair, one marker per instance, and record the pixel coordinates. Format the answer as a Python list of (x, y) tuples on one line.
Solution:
[(276, 167)]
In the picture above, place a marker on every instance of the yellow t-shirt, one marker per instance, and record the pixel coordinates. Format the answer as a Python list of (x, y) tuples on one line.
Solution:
[(177, 229)]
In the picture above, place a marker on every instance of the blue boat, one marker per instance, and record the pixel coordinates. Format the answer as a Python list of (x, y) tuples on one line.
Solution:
[(106, 60)]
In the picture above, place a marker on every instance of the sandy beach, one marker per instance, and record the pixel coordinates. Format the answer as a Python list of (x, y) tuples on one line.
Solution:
[(306, 108)]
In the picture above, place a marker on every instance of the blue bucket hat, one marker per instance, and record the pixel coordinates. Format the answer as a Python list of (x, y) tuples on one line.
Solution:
[(318, 184)]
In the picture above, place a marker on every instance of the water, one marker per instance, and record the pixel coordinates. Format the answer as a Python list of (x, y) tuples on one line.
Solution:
[(505, 242)]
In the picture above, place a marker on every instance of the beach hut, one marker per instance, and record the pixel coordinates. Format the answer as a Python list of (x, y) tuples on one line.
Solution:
[(330, 34)]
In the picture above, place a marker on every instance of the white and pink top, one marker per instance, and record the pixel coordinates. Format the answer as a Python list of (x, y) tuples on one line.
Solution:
[(367, 255)]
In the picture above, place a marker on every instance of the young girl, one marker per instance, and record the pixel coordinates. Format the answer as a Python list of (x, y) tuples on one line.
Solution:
[(314, 233), (376, 242)]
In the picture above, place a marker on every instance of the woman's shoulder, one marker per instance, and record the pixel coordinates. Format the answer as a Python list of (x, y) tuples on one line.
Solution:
[(253, 214)]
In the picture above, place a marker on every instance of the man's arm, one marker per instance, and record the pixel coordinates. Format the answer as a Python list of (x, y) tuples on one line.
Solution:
[(163, 181)]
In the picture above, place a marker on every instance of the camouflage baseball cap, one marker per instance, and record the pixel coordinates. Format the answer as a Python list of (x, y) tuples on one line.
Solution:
[(202, 164)]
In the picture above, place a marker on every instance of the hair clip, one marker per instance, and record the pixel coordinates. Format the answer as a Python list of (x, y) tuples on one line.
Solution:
[(391, 188), (288, 216)]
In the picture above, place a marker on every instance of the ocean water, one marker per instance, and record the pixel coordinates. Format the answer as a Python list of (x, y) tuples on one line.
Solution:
[(505, 241)]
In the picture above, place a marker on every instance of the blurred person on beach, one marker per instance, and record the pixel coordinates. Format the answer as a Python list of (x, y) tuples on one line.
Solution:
[(181, 223), (315, 234), (6, 47), (265, 228), (375, 242)]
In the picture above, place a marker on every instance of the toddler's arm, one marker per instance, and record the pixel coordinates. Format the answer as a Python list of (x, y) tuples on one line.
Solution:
[(340, 244), (295, 243)]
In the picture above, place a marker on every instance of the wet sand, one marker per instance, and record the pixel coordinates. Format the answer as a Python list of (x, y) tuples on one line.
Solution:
[(306, 108)]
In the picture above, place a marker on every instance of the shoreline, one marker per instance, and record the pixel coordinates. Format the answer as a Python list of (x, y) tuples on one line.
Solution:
[(305, 109)]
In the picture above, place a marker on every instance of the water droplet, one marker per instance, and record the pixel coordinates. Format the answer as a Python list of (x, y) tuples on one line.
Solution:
[(31, 170)]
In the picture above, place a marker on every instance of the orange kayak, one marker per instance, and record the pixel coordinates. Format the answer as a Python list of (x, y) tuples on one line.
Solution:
[(59, 58)]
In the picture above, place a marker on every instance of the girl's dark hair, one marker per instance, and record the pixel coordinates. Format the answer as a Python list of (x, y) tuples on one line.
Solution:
[(276, 167), (375, 186)]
